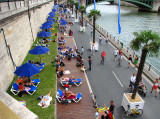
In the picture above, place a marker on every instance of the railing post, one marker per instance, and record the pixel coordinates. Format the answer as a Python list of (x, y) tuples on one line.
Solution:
[(149, 68)]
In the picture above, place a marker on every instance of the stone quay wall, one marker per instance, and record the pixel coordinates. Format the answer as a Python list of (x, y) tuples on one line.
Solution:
[(18, 35)]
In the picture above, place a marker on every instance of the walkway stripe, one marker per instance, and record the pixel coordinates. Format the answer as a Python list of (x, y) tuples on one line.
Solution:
[(117, 78)]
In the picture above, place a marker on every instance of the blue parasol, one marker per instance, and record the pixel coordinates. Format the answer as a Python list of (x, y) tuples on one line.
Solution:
[(45, 27), (61, 12), (48, 23), (51, 15), (39, 50), (44, 34), (63, 23), (62, 20), (27, 69), (54, 10), (50, 18)]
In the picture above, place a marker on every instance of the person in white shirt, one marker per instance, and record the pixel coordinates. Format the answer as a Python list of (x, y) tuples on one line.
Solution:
[(82, 50), (115, 54), (93, 49), (100, 40), (132, 81)]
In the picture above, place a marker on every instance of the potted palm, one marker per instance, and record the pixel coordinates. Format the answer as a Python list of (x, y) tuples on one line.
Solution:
[(76, 6), (82, 10), (149, 42), (72, 3), (94, 14)]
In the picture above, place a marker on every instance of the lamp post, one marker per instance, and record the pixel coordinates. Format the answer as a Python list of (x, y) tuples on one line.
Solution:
[(29, 17), (8, 47)]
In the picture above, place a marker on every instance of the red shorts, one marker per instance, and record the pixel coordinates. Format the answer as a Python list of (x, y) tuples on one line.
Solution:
[(155, 87)]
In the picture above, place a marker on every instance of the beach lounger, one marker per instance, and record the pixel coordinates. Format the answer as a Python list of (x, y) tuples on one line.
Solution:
[(77, 83), (15, 91), (60, 97)]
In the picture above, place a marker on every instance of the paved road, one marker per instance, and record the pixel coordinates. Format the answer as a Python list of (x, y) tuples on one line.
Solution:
[(103, 77)]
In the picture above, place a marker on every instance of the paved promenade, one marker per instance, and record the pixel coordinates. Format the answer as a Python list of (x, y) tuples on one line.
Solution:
[(109, 81), (84, 108)]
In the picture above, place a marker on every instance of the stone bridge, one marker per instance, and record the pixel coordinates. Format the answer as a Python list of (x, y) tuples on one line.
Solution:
[(147, 5)]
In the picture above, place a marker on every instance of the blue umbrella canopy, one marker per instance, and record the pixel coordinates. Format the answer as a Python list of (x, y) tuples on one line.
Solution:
[(45, 27), (44, 34), (62, 20), (39, 50), (54, 10), (27, 69), (51, 15), (50, 18), (63, 23), (61, 12), (48, 23)]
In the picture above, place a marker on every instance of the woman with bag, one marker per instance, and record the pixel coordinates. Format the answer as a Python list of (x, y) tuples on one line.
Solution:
[(155, 87)]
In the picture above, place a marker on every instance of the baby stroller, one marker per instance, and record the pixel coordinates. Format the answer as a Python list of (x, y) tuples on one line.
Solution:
[(142, 89)]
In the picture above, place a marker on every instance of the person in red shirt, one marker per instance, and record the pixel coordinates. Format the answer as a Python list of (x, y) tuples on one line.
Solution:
[(103, 55)]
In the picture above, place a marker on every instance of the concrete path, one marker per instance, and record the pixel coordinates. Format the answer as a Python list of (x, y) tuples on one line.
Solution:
[(110, 81)]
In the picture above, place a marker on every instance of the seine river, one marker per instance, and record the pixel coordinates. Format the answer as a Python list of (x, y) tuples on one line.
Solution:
[(131, 21)]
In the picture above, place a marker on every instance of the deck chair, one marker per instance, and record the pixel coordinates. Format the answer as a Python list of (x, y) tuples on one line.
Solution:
[(36, 82), (60, 97), (78, 83), (15, 91)]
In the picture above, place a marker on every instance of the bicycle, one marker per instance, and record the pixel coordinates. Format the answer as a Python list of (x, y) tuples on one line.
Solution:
[(132, 112)]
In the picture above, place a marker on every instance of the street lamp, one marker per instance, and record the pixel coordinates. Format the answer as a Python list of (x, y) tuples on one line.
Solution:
[(7, 46)]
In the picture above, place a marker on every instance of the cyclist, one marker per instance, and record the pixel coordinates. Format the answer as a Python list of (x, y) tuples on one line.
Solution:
[(110, 111)]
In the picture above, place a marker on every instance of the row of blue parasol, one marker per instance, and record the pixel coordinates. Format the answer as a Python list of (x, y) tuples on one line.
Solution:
[(29, 69)]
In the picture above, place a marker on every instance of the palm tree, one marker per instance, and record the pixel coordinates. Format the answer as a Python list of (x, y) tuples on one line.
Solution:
[(76, 6), (149, 42), (82, 10), (72, 3), (94, 14)]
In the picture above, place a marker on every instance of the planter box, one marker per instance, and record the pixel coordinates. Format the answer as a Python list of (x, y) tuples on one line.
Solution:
[(76, 20), (96, 44), (82, 29), (128, 101)]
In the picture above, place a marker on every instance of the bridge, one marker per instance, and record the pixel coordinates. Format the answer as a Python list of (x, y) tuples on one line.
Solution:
[(147, 4)]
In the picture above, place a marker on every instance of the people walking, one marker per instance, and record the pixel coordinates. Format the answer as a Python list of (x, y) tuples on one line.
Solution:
[(82, 50), (100, 40), (93, 49), (89, 62), (115, 54), (155, 87), (107, 39), (103, 55), (132, 82), (129, 60), (135, 61)]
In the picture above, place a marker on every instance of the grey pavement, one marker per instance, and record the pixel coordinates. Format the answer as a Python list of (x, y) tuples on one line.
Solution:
[(103, 77)]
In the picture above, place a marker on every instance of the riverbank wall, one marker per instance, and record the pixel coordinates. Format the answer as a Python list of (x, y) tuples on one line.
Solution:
[(152, 75), (19, 27), (19, 24)]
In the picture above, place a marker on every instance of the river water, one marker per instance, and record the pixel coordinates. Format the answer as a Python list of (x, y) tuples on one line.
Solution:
[(131, 21)]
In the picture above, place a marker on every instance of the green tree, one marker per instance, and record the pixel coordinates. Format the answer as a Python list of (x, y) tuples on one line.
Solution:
[(76, 6), (82, 10), (94, 14), (149, 42), (72, 3)]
